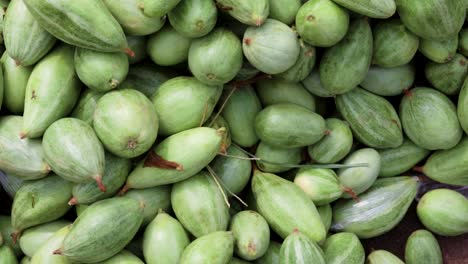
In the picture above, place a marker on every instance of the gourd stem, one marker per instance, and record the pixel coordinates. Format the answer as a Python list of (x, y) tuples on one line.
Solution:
[(316, 166), (237, 157), (100, 184), (238, 84), (124, 190), (222, 106), (212, 173), (129, 52), (15, 236), (73, 201), (205, 110), (225, 187), (351, 193)]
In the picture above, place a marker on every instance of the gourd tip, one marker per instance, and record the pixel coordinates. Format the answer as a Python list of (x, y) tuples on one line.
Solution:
[(407, 92), (113, 83), (47, 168), (252, 248), (422, 179), (17, 62), (142, 204), (419, 169), (15, 236), (223, 148), (351, 193), (259, 22), (124, 190), (221, 131), (132, 144), (309, 53), (129, 52), (255, 168), (73, 201), (100, 183), (57, 252), (22, 135)]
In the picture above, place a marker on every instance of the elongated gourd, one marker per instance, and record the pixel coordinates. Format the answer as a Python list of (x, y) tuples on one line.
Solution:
[(15, 80), (444, 212), (422, 248), (379, 210), (23, 158), (289, 126), (199, 205), (383, 256), (191, 150), (372, 118), (214, 248), (278, 198), (429, 119), (239, 112), (272, 48), (33, 238), (252, 13), (25, 40), (432, 19), (132, 18), (131, 128), (183, 102), (354, 49), (164, 240), (102, 230), (100, 71), (298, 248), (86, 23), (74, 151), (40, 201), (252, 234), (114, 177), (344, 248), (372, 8), (52, 91)]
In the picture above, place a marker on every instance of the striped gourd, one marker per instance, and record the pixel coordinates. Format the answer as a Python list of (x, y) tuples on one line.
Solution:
[(25, 40), (85, 23)]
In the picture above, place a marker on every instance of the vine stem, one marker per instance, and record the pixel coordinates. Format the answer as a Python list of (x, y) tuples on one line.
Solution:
[(219, 186), (225, 187), (236, 85), (316, 166), (237, 157)]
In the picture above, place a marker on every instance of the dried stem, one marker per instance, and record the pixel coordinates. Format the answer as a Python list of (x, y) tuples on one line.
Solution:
[(219, 186), (222, 106), (154, 160), (225, 187), (237, 157), (351, 193), (239, 84), (205, 110)]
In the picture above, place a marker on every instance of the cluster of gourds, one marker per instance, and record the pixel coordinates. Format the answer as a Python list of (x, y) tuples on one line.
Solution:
[(230, 131)]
